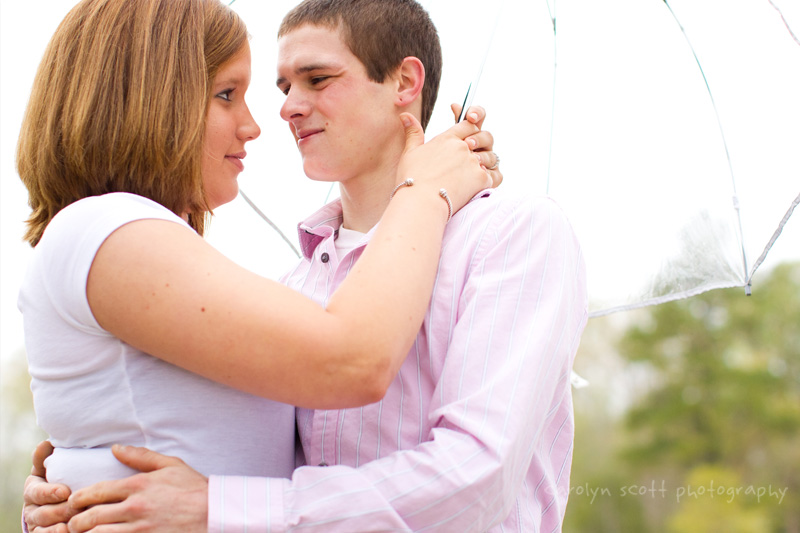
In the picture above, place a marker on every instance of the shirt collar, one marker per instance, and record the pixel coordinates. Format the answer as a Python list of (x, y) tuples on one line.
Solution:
[(327, 220), (324, 223)]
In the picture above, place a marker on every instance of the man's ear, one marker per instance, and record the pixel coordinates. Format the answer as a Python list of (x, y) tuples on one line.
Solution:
[(410, 79)]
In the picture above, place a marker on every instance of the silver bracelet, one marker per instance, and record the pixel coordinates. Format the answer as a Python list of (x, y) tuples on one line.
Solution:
[(442, 192), (408, 183)]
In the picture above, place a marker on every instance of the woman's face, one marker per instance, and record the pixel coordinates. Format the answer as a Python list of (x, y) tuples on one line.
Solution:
[(229, 125)]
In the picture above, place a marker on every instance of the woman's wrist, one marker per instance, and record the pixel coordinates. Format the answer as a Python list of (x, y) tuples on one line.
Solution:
[(424, 195)]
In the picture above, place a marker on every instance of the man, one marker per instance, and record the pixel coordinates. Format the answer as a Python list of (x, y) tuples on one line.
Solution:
[(475, 433)]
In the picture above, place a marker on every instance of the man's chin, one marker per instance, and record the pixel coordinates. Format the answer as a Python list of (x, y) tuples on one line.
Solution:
[(315, 173)]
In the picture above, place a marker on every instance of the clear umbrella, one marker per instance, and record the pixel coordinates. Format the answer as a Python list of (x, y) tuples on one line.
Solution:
[(667, 131)]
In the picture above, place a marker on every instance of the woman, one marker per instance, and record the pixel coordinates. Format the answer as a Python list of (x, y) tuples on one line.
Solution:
[(135, 131)]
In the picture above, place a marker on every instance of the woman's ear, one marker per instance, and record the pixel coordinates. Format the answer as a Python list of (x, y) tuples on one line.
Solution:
[(410, 79)]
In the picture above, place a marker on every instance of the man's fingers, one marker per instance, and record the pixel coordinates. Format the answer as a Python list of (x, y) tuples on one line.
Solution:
[(58, 528), (107, 491), (42, 452), (38, 492), (48, 518), (46, 509), (102, 517), (142, 459)]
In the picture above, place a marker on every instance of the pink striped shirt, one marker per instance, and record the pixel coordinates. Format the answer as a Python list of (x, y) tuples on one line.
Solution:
[(476, 431)]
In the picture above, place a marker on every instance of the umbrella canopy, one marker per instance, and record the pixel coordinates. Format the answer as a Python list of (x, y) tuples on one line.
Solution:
[(667, 131), (599, 104)]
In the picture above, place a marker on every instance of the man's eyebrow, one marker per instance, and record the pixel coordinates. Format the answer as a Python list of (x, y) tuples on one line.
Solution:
[(305, 69)]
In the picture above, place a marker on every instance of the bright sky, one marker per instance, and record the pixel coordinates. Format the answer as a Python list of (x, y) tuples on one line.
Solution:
[(636, 151)]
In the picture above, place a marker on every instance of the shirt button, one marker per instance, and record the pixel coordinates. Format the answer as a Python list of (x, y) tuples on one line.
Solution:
[(324, 257), (323, 464)]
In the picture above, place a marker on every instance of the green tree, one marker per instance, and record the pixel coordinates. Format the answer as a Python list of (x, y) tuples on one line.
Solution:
[(596, 503), (719, 507), (725, 374)]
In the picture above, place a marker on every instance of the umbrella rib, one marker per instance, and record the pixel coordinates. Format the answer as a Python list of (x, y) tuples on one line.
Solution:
[(268, 221), (775, 236), (785, 22), (330, 191), (796, 201), (473, 87), (722, 135)]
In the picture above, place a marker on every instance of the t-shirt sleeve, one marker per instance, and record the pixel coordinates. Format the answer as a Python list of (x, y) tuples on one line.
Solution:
[(72, 239)]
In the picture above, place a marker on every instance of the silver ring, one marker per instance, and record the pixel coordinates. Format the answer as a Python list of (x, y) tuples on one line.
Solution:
[(496, 163)]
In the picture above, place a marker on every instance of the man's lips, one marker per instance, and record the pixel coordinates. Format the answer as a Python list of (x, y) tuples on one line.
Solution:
[(236, 159), (304, 135)]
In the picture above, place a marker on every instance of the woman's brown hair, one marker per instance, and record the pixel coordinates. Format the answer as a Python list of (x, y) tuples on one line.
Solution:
[(119, 104)]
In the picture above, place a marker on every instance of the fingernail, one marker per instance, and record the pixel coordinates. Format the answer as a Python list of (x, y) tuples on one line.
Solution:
[(473, 116), (406, 121), (472, 143)]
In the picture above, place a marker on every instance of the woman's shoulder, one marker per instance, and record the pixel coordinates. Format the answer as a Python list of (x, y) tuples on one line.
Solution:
[(103, 214), (119, 203)]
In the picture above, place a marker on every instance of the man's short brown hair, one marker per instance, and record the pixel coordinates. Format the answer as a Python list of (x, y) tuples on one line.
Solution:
[(380, 33)]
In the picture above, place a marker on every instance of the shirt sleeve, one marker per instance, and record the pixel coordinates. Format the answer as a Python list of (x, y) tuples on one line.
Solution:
[(501, 415)]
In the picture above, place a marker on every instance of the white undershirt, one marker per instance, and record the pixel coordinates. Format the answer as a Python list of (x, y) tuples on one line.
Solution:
[(347, 240)]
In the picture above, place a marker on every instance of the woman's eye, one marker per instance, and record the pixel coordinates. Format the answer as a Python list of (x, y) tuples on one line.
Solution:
[(225, 95)]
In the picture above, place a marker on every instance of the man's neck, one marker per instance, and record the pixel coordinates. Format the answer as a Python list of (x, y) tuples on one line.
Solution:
[(363, 204), (365, 198)]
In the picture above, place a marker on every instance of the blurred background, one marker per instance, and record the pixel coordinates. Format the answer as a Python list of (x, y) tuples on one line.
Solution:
[(691, 418)]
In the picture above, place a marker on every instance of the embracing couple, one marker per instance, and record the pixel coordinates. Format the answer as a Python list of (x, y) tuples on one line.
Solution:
[(420, 351)]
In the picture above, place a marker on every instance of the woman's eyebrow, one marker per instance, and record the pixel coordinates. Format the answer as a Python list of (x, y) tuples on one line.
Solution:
[(230, 80)]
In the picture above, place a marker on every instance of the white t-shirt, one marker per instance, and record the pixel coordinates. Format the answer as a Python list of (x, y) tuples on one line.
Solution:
[(92, 390)]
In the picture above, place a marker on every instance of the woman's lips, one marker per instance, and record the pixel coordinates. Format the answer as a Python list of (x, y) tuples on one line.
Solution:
[(236, 159)]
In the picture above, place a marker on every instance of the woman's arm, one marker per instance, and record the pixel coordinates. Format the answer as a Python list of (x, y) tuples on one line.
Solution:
[(161, 288)]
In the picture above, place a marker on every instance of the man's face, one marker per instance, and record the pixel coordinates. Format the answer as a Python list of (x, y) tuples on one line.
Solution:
[(345, 125)]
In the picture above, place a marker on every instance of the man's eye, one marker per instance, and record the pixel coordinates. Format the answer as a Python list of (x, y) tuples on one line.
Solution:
[(318, 79)]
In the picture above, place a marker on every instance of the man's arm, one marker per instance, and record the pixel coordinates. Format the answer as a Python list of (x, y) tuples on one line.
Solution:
[(501, 413), (496, 412)]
